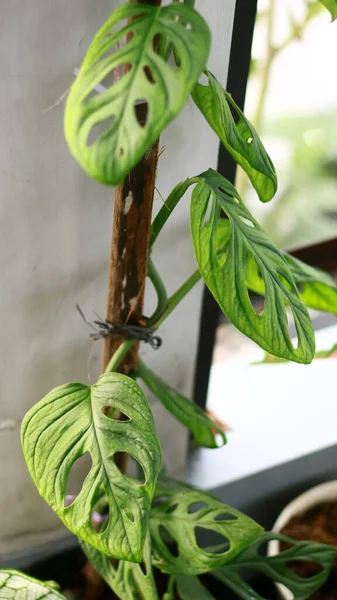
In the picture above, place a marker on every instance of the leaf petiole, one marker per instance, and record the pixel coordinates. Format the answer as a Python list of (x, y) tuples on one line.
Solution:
[(177, 297), (118, 356), (169, 206), (160, 288)]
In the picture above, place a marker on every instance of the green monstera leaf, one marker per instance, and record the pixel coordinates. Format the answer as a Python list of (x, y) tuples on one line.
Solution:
[(180, 519), (17, 586), (129, 581), (278, 568), (225, 272), (73, 419), (331, 5), (239, 138), (317, 289), (189, 414), (105, 133)]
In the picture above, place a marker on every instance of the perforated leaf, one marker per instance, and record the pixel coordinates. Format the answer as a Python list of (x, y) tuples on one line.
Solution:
[(72, 420), (18, 586), (189, 414), (177, 516), (123, 135), (190, 588), (225, 272), (331, 5), (278, 568), (128, 580), (239, 137)]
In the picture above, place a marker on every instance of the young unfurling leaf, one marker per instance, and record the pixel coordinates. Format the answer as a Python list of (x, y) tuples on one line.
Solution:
[(110, 132), (18, 586), (224, 271), (239, 138), (74, 419)]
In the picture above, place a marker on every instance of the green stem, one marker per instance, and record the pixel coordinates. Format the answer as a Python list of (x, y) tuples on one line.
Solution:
[(179, 295), (160, 288), (170, 588), (118, 356), (169, 206), (147, 585)]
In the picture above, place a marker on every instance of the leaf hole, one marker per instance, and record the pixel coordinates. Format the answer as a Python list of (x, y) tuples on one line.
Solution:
[(208, 211), (100, 514), (135, 471), (169, 541), (225, 517), (76, 477), (222, 191), (203, 79), (306, 569), (141, 111), (148, 74), (250, 140), (196, 506), (129, 514), (99, 130), (262, 549), (171, 508), (235, 114), (113, 413), (159, 501), (292, 331), (246, 221), (253, 274), (223, 235), (207, 538)]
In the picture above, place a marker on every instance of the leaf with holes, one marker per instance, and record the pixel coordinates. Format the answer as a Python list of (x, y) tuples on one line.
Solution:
[(225, 272), (317, 289), (146, 94), (190, 588), (18, 586), (239, 138), (128, 580), (203, 429), (70, 421), (278, 568), (331, 5), (179, 522)]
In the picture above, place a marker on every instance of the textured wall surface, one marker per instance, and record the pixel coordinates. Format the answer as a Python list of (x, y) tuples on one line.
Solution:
[(55, 227)]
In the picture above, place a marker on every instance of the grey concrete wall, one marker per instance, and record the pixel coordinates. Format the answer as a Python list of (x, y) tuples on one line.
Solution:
[(55, 227)]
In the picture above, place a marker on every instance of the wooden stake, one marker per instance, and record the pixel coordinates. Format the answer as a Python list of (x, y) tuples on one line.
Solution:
[(130, 243)]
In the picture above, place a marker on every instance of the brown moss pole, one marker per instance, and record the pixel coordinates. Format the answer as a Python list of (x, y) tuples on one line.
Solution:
[(129, 246)]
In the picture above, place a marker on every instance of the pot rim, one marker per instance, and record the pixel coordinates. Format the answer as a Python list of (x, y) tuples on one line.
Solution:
[(325, 492)]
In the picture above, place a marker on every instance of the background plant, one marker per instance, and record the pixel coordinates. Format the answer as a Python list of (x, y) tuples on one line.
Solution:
[(150, 59)]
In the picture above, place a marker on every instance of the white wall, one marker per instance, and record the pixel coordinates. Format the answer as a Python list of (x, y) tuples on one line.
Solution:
[(55, 226)]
